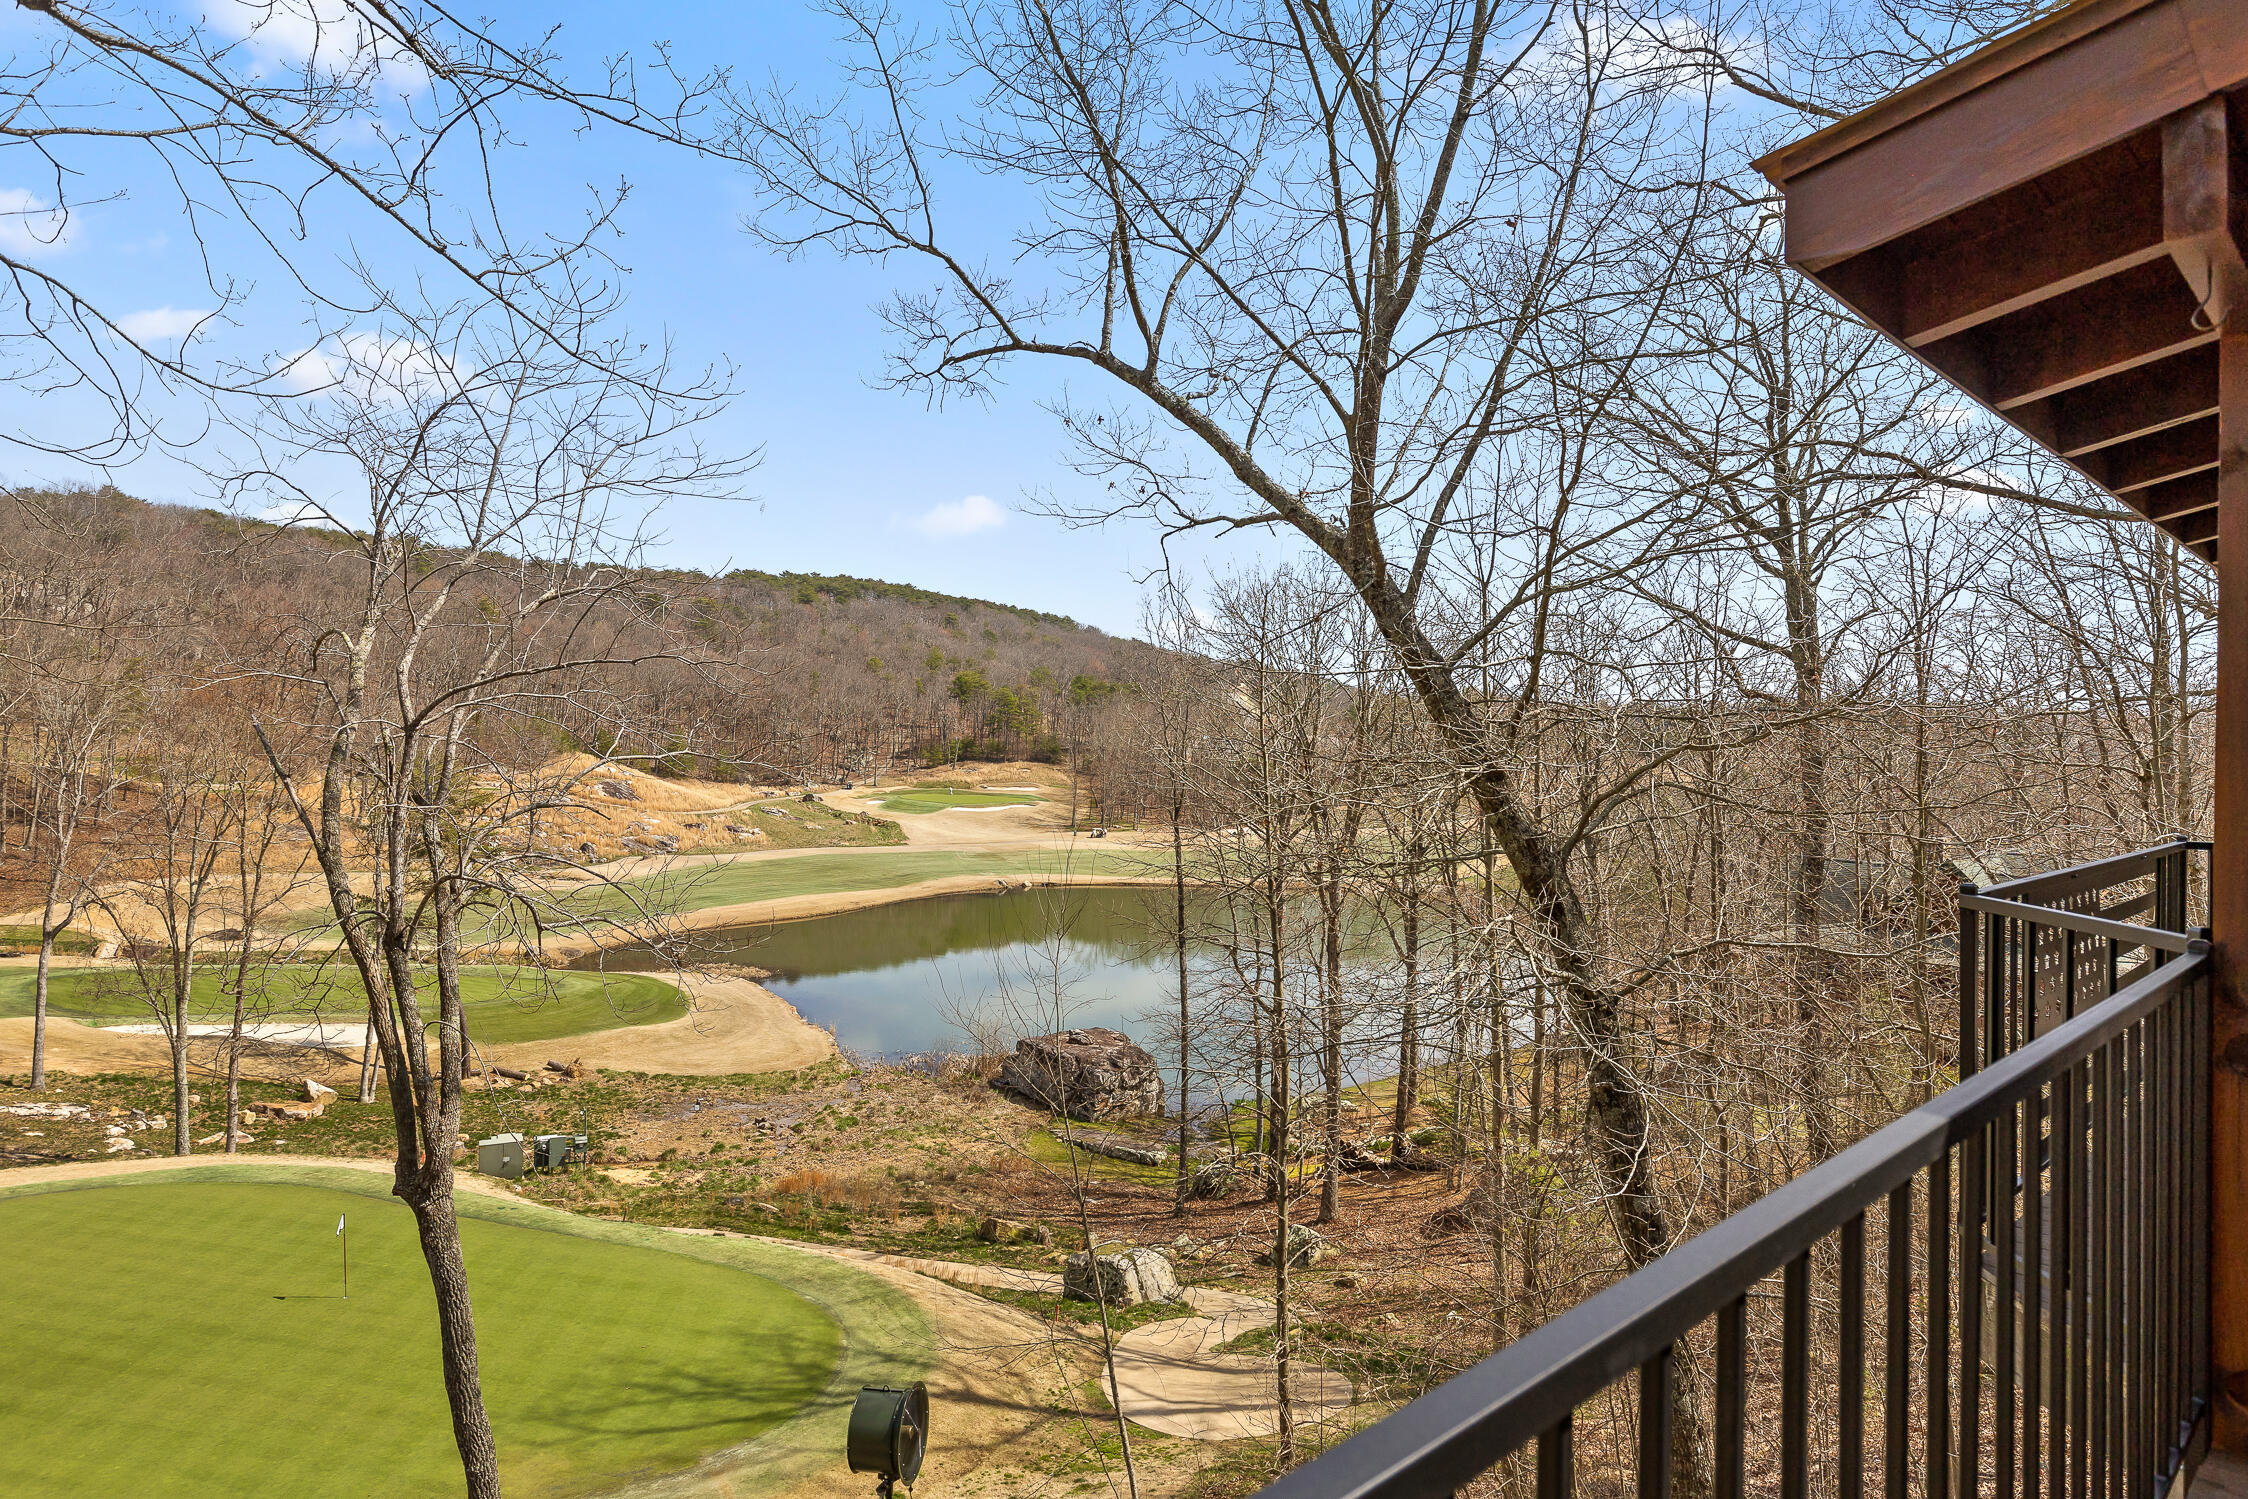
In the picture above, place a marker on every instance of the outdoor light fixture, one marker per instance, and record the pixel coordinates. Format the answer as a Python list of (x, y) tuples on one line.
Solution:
[(889, 1432)]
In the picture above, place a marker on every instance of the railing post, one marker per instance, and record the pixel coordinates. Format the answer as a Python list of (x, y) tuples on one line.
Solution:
[(1970, 924)]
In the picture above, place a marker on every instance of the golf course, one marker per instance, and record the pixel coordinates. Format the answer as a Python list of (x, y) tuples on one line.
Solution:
[(188, 1335), (505, 1005)]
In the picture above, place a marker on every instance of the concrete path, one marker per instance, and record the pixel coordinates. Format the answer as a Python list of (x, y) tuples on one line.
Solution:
[(1167, 1374)]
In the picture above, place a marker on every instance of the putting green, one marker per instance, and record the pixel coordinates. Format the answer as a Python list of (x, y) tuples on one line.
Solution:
[(181, 1334), (921, 799), (505, 1005)]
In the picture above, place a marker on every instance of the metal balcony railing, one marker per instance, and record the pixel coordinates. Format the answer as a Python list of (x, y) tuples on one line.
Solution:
[(2003, 1292)]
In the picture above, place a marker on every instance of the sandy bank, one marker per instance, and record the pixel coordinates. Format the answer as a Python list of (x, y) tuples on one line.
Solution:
[(732, 1026)]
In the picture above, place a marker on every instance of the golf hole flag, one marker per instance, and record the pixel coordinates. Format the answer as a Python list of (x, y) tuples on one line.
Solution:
[(346, 1256)]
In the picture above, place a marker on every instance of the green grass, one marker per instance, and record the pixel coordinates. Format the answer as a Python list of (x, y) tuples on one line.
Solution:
[(932, 799), (26, 939), (830, 874), (1048, 1149), (505, 1005), (807, 825), (1085, 1316), (184, 1338)]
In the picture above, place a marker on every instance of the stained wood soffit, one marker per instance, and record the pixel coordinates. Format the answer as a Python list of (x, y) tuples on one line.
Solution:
[(2054, 224)]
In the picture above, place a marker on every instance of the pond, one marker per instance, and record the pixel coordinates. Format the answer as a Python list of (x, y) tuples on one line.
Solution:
[(973, 972)]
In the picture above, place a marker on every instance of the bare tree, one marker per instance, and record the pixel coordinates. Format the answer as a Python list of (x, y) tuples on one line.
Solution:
[(507, 483), (81, 695), (1341, 270)]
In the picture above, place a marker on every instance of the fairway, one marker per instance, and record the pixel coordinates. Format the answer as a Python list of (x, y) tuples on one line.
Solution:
[(505, 1005), (177, 1338), (746, 880), (928, 799)]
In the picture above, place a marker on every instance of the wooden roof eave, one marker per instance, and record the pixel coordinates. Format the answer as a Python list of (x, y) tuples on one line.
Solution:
[(2048, 224)]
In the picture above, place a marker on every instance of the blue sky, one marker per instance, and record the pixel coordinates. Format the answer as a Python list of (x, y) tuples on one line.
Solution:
[(853, 479)]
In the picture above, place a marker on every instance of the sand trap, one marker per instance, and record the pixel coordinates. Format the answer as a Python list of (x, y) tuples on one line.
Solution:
[(734, 1026), (327, 1034)]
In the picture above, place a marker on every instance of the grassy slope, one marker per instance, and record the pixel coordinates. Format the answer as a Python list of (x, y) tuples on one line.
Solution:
[(830, 874), (924, 799), (806, 825), (169, 1363), (504, 1004)]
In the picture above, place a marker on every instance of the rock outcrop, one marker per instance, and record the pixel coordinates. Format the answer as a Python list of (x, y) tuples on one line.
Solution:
[(1125, 1278), (1306, 1246), (1008, 1231), (1094, 1073)]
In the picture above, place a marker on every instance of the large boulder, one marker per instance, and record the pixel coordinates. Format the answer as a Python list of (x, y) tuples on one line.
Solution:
[(1125, 1278), (1094, 1073), (1008, 1231), (1306, 1246)]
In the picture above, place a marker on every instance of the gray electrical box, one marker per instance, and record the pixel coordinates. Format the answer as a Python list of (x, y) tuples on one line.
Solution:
[(551, 1152), (501, 1155)]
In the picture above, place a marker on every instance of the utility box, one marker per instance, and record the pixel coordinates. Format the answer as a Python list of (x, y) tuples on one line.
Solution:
[(501, 1155), (551, 1152)]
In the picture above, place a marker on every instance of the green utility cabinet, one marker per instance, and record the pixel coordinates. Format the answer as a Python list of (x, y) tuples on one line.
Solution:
[(500, 1155)]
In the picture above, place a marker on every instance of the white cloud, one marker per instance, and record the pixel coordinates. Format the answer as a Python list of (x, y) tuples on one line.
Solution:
[(298, 510), (156, 324), (964, 517), (371, 367), (30, 225), (330, 37)]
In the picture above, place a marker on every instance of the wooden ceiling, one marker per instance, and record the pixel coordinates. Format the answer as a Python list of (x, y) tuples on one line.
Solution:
[(2054, 224)]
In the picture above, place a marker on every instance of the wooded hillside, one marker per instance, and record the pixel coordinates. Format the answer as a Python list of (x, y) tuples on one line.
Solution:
[(791, 677)]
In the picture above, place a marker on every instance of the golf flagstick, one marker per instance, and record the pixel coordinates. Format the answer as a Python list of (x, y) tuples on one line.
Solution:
[(346, 1256)]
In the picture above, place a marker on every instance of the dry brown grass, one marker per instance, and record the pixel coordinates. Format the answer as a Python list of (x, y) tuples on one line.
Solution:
[(830, 1189)]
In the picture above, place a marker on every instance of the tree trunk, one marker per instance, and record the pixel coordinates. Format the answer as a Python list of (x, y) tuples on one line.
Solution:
[(1178, 935), (183, 979), (1331, 1048), (39, 1009), (1409, 1020), (432, 1202)]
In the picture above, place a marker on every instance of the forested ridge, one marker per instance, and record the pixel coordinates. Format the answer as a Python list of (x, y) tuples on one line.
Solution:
[(783, 677)]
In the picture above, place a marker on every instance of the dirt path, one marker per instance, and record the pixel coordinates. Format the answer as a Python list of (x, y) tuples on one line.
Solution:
[(1168, 1375), (997, 1369)]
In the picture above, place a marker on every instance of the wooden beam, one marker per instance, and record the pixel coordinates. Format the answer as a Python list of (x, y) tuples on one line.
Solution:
[(2188, 448), (2198, 210), (2176, 498), (2193, 527), (2113, 227), (2127, 407), (2132, 71), (2141, 317)]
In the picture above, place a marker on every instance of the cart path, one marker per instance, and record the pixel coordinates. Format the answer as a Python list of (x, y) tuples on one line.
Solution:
[(1167, 1374)]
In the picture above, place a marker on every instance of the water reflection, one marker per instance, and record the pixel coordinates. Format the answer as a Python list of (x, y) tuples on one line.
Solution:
[(922, 975)]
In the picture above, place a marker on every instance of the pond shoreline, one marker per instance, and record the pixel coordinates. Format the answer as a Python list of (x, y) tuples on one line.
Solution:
[(789, 908)]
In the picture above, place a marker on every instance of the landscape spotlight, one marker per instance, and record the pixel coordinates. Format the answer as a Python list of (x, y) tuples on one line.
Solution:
[(889, 1432)]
